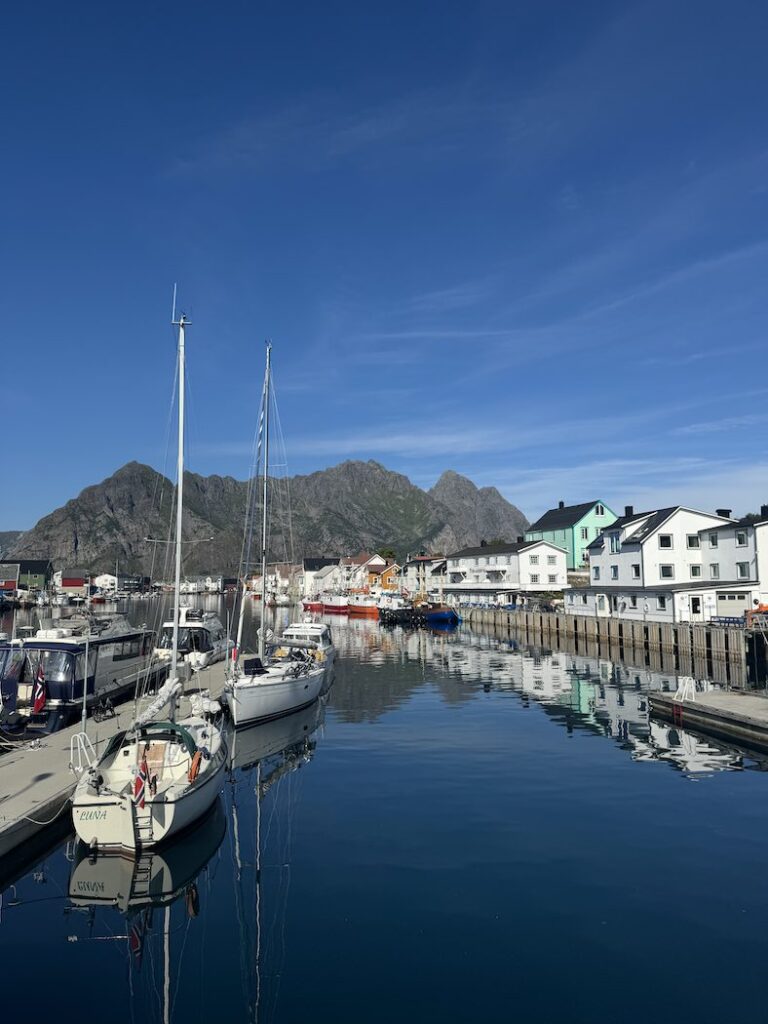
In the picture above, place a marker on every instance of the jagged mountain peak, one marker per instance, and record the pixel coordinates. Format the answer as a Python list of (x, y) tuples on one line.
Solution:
[(339, 510)]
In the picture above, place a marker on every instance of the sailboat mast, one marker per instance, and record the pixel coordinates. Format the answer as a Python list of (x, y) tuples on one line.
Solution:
[(182, 322), (267, 382)]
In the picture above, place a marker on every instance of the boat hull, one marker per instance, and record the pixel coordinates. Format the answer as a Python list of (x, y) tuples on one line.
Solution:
[(363, 611), (113, 823), (258, 699)]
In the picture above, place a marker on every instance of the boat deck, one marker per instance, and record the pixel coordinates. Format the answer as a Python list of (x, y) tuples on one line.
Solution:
[(726, 714), (36, 781)]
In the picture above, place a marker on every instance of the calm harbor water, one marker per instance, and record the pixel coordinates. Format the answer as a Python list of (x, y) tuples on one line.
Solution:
[(468, 828)]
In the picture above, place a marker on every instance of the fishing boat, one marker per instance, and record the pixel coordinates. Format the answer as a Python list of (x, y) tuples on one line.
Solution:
[(202, 639), (280, 677), (43, 677), (158, 777), (363, 606), (335, 604), (312, 604)]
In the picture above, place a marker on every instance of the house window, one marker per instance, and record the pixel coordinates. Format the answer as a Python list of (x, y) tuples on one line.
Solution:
[(553, 578), (741, 538), (583, 598), (633, 601), (596, 572), (551, 560), (585, 533), (599, 510), (615, 543), (614, 572), (692, 540), (534, 559), (667, 572), (661, 602), (635, 571), (570, 599), (713, 540), (714, 571), (695, 572), (742, 570), (534, 577), (665, 540)]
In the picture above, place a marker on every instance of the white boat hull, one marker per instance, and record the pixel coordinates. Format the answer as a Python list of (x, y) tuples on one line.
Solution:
[(113, 821), (259, 698)]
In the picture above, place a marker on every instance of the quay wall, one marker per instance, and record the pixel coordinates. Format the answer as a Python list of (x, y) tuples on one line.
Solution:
[(720, 653)]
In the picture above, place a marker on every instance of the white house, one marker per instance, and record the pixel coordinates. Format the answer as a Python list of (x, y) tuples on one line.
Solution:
[(422, 574), (735, 556), (309, 570), (499, 572), (356, 569), (657, 566)]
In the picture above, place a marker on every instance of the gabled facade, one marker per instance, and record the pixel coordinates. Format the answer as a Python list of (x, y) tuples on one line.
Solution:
[(572, 527), (34, 574), (499, 572), (309, 569), (416, 574), (383, 577), (660, 566)]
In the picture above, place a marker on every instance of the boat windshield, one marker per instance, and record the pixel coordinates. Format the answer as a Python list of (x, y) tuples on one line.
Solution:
[(189, 639), (20, 665)]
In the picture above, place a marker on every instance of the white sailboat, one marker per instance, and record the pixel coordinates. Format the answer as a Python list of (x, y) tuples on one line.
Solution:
[(268, 685), (158, 777)]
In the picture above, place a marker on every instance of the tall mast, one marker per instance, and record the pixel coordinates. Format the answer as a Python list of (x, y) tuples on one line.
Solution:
[(267, 382), (181, 324)]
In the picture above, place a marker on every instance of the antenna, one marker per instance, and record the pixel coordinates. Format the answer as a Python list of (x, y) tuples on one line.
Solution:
[(173, 311)]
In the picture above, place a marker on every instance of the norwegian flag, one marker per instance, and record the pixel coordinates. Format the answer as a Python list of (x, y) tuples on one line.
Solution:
[(140, 784), (39, 694), (137, 934)]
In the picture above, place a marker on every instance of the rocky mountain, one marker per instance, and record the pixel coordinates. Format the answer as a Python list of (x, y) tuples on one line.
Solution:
[(7, 539), (341, 510)]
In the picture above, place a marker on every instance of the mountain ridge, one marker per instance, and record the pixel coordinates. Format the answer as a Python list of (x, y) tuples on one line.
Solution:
[(339, 510)]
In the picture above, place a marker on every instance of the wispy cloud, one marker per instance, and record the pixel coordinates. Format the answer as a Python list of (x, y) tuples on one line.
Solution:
[(728, 423)]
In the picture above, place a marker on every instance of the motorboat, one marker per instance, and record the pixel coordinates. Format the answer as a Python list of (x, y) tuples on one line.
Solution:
[(313, 636), (202, 639), (363, 606), (42, 676), (335, 604)]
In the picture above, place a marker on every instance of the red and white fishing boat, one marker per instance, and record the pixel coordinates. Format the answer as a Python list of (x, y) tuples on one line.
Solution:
[(312, 604), (335, 604)]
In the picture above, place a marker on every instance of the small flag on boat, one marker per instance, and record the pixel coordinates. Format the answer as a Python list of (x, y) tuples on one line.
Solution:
[(140, 784), (38, 692), (136, 936)]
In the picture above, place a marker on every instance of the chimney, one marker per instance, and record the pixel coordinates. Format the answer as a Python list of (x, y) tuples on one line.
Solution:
[(724, 512), (561, 504), (629, 510), (520, 540), (764, 511), (483, 543)]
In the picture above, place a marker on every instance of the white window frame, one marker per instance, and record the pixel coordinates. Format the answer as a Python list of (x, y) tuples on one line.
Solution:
[(533, 559), (666, 547), (695, 572), (742, 575), (596, 573), (693, 541), (551, 559), (667, 575), (714, 570), (661, 602), (552, 577), (635, 570), (713, 540), (534, 577), (599, 510), (614, 572), (741, 539)]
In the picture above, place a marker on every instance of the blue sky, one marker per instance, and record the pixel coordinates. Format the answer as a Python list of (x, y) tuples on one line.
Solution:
[(526, 241)]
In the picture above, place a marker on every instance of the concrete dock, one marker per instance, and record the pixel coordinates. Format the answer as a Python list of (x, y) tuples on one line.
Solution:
[(36, 780), (740, 718)]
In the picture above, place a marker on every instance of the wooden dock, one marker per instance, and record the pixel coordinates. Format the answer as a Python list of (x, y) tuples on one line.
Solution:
[(36, 780), (740, 718)]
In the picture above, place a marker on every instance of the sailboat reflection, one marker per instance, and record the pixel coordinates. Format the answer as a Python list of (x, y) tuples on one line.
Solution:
[(266, 755), (155, 880)]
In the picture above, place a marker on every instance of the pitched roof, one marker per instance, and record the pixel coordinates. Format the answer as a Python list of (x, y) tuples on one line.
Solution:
[(562, 518), (313, 564), (498, 549)]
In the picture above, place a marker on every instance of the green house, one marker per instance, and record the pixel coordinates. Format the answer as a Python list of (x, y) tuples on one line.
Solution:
[(573, 527)]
